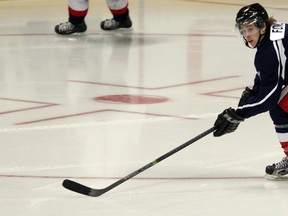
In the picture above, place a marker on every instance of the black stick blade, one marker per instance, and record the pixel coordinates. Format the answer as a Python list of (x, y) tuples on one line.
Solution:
[(76, 187), (82, 189)]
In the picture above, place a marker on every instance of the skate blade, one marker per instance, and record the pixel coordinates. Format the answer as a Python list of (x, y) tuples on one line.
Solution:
[(276, 178)]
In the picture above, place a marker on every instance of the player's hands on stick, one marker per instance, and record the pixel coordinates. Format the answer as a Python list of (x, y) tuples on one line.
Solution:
[(227, 122)]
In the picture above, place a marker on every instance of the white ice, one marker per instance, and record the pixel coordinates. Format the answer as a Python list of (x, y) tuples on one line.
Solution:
[(52, 126)]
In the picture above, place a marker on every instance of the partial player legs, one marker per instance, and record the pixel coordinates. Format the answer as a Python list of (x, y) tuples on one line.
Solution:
[(278, 170), (78, 10)]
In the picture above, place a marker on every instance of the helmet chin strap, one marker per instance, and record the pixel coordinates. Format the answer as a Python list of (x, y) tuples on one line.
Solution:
[(258, 42)]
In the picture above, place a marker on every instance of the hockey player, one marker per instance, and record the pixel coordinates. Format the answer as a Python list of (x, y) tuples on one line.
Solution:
[(269, 91), (78, 9)]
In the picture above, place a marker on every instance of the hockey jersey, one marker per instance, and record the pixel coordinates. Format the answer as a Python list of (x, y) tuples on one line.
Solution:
[(271, 72)]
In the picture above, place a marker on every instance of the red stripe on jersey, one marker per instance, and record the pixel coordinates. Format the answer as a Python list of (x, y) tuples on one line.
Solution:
[(120, 11), (78, 13), (285, 147), (283, 103)]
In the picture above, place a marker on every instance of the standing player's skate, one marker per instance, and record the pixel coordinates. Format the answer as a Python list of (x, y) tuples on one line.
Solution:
[(67, 28), (112, 24), (278, 170)]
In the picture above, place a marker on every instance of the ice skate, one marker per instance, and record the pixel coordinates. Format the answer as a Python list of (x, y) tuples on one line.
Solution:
[(112, 24), (67, 28), (278, 171)]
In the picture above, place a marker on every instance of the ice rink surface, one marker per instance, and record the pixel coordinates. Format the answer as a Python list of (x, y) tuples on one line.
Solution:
[(97, 106)]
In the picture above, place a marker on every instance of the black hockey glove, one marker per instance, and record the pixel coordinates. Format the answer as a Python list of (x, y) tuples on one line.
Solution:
[(247, 93), (227, 122)]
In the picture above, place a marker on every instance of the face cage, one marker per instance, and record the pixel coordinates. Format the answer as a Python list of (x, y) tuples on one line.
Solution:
[(258, 21)]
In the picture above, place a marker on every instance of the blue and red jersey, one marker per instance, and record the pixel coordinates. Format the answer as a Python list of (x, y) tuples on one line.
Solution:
[(271, 72)]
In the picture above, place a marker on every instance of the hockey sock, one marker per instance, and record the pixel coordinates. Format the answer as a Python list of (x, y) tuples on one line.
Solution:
[(77, 11), (283, 138), (119, 9), (75, 20), (285, 147), (121, 17)]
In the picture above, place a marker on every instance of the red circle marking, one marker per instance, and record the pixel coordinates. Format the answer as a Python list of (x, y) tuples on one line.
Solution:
[(131, 99)]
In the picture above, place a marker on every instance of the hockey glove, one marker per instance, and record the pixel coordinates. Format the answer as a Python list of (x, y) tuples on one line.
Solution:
[(247, 93), (227, 122)]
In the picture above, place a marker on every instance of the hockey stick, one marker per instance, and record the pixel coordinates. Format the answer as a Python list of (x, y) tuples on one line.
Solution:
[(82, 189)]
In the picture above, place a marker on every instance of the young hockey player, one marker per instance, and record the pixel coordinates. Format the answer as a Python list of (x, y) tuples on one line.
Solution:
[(269, 92), (78, 10)]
